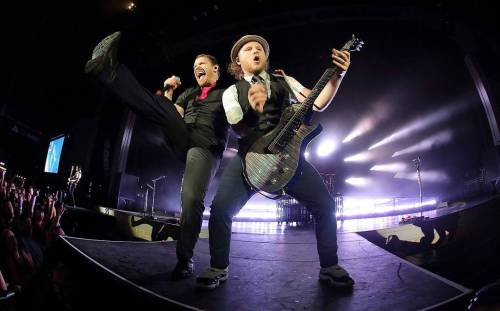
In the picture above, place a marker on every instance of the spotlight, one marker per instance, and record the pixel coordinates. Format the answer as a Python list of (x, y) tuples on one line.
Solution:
[(358, 181), (306, 154), (423, 123), (378, 113), (326, 148), (390, 167), (255, 209), (427, 176), (428, 143), (360, 157), (355, 133), (131, 6), (357, 207), (384, 141)]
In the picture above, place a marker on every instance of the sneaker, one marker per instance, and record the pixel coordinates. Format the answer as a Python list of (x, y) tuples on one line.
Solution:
[(183, 270), (336, 276), (212, 277), (104, 56)]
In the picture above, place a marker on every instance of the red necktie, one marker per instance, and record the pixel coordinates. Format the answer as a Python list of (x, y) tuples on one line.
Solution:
[(204, 92)]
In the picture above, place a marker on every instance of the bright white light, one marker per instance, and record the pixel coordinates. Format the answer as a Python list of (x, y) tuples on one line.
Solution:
[(358, 181), (423, 123), (360, 157), (378, 112), (264, 211), (390, 167), (326, 148), (352, 135), (306, 154), (438, 139), (426, 176), (230, 152), (256, 215), (384, 141), (355, 206)]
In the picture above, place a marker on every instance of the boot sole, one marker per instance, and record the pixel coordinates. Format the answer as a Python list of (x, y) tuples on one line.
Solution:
[(96, 65), (331, 281), (213, 286)]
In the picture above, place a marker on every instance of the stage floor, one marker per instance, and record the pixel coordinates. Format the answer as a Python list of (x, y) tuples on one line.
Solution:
[(272, 272)]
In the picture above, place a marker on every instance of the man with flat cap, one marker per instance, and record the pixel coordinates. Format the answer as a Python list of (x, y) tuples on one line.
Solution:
[(253, 106)]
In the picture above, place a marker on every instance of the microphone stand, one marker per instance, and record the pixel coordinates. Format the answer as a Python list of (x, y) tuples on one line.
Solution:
[(145, 209), (154, 193), (417, 163)]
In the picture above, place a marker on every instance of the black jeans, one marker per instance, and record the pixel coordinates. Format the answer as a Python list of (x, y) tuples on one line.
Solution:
[(234, 192), (201, 164), (71, 192), (153, 108)]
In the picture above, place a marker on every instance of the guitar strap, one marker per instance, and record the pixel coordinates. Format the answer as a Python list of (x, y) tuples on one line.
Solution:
[(293, 99), (281, 80)]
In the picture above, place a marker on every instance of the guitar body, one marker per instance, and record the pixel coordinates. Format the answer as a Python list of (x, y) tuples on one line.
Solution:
[(273, 160), (268, 171)]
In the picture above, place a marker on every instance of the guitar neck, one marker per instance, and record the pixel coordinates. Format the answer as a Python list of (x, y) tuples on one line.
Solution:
[(294, 122), (300, 113), (320, 85)]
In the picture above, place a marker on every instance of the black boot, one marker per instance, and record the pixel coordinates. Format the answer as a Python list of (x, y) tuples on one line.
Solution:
[(183, 270), (104, 57)]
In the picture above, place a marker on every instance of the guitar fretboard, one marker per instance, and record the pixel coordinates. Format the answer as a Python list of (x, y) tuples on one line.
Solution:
[(300, 113)]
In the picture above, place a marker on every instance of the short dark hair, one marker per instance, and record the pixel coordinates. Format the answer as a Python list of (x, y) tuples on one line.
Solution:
[(210, 57)]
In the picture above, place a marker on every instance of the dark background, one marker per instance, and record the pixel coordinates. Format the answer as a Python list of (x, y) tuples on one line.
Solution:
[(411, 67)]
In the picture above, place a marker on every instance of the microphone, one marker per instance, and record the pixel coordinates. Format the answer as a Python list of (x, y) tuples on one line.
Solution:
[(167, 87)]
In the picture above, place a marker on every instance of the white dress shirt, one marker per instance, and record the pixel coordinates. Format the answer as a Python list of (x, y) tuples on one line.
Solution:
[(232, 107)]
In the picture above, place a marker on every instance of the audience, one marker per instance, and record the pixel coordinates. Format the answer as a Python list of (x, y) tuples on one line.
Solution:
[(29, 227)]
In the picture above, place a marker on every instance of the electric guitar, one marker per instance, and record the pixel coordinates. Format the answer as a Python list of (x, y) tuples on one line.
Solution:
[(272, 161)]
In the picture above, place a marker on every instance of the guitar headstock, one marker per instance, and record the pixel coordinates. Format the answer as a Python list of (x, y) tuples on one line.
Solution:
[(353, 45)]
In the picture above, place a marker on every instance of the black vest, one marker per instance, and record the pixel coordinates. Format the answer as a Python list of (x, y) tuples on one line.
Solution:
[(205, 119), (259, 124)]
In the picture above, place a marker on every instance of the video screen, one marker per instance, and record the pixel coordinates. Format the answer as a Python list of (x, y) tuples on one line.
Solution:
[(54, 155)]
